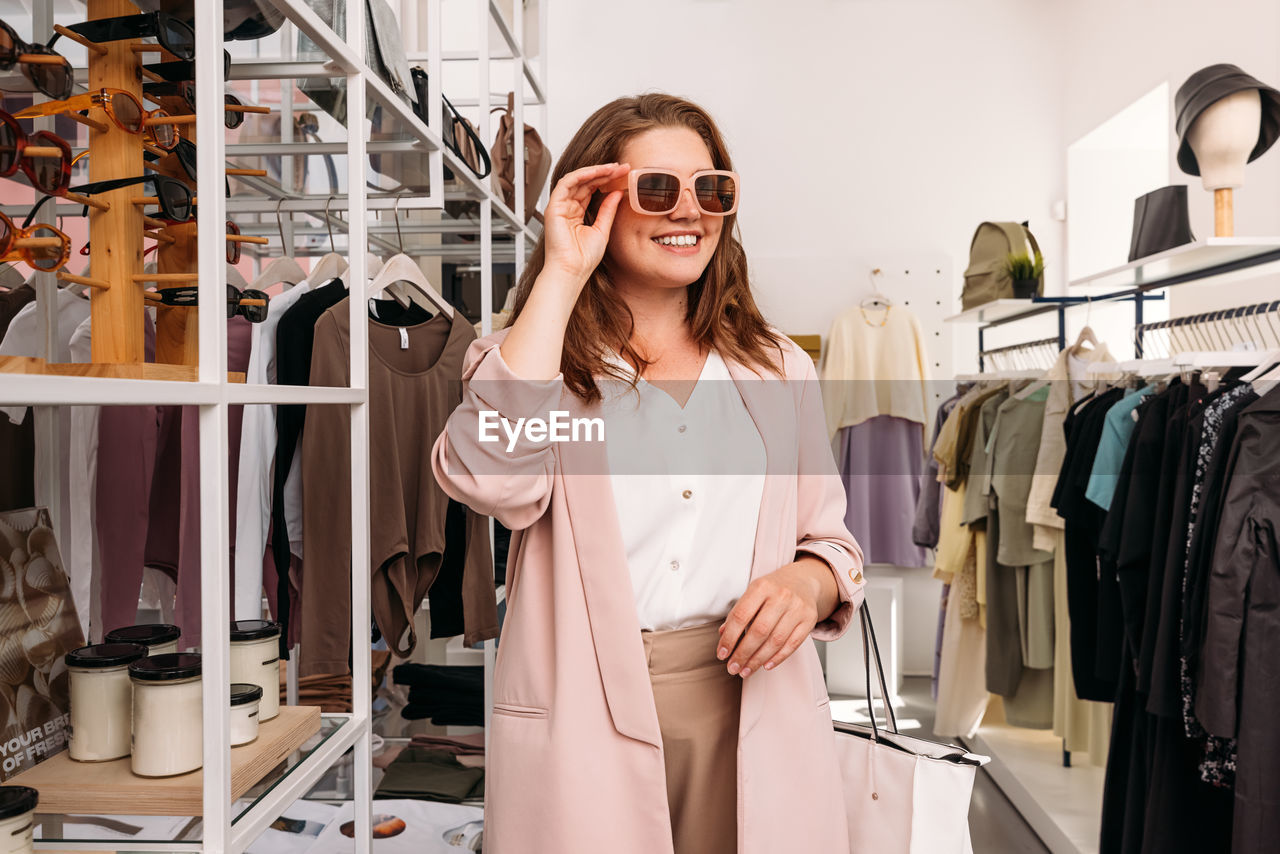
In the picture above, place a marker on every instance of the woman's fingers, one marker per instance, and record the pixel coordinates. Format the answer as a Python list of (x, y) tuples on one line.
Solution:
[(798, 634), (580, 183), (735, 624), (608, 209), (759, 642)]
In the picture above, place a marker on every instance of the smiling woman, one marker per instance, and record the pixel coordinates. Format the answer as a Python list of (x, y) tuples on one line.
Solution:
[(648, 607)]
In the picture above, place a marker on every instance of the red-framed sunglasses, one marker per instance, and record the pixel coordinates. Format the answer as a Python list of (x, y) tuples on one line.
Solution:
[(44, 157)]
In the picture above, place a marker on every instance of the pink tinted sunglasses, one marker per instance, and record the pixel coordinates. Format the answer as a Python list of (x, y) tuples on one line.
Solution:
[(657, 192)]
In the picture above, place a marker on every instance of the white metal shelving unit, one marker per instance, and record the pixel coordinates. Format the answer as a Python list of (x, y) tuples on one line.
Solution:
[(227, 828)]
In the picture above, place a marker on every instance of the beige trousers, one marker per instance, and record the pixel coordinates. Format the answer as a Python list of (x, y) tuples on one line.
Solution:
[(698, 710)]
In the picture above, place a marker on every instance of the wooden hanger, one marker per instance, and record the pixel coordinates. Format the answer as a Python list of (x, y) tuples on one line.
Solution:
[(1086, 336)]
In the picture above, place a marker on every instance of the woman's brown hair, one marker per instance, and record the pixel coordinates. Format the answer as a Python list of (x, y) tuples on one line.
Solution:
[(721, 310)]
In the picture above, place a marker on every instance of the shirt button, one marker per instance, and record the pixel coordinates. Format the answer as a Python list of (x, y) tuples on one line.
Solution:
[(675, 565), (682, 428), (687, 494)]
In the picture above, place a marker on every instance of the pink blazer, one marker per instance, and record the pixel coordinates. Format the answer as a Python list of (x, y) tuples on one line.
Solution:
[(576, 763)]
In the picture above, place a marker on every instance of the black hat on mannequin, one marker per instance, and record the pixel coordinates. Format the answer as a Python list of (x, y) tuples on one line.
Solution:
[(1209, 85)]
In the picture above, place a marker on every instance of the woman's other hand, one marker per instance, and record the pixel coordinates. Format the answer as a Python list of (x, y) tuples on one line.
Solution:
[(574, 248), (775, 614)]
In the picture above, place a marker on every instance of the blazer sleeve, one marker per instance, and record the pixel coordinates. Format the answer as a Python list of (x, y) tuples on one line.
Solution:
[(820, 505), (1239, 549), (513, 486)]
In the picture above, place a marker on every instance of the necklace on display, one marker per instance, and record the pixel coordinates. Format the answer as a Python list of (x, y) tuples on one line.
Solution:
[(867, 319)]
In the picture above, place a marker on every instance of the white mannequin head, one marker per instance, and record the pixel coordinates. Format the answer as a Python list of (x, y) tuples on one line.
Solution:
[(1223, 136)]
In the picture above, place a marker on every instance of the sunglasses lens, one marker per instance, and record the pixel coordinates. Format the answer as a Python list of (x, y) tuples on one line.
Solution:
[(233, 301), (53, 80), (232, 120), (127, 112), (187, 157), (657, 192), (179, 39), (716, 194), (50, 175), (8, 149), (166, 136), (255, 313), (47, 258), (8, 49), (6, 235), (177, 198), (233, 247)]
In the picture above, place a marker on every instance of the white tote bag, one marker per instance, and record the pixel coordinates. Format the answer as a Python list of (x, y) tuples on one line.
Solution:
[(904, 795)]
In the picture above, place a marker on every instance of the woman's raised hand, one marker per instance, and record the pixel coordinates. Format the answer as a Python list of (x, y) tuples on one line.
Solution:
[(574, 248)]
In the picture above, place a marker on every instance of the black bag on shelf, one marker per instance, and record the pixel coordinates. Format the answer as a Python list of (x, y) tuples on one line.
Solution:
[(458, 133), (1160, 221)]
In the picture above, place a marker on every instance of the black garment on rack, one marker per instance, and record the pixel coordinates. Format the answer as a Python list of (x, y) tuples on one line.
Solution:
[(1083, 522), (1205, 535), (449, 695), (17, 441), (1239, 687), (1133, 521), (1170, 491), (294, 337), (1183, 813), (1127, 532)]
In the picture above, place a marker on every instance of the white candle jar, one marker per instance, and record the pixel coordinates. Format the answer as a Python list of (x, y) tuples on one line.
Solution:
[(17, 804), (167, 737), (255, 659), (245, 699), (158, 638), (101, 700)]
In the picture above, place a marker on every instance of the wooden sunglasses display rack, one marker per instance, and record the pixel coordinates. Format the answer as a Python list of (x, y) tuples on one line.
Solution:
[(117, 223)]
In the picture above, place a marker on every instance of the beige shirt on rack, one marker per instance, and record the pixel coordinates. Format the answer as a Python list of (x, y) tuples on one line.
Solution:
[(875, 364), (1069, 381)]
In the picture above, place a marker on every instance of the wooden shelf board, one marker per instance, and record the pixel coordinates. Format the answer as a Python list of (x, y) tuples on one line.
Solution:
[(111, 788), (133, 371)]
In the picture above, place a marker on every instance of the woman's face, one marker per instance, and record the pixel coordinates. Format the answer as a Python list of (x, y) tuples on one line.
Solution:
[(636, 257)]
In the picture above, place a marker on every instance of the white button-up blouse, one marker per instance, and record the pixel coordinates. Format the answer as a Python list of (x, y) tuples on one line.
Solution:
[(687, 483)]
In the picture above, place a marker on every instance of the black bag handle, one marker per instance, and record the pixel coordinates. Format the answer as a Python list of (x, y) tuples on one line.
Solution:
[(475, 138), (871, 648)]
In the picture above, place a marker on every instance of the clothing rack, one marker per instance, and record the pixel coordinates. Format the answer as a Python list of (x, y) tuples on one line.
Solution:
[(1027, 355), (1241, 328)]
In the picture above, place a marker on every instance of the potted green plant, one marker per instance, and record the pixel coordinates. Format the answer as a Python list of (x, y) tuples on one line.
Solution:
[(1026, 273)]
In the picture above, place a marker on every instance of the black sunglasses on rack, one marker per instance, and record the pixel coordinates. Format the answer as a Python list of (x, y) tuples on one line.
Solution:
[(250, 303), (54, 79), (185, 151), (174, 196), (185, 69), (173, 34), (186, 90)]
